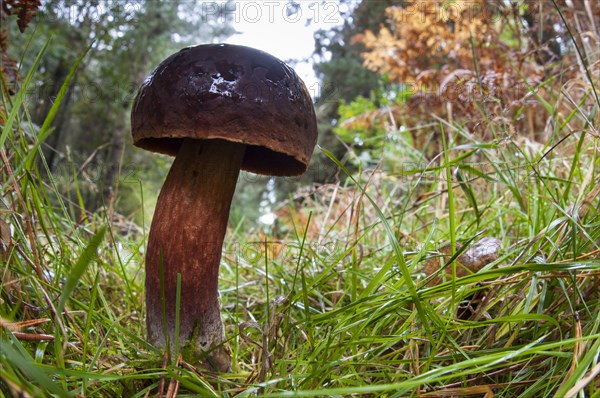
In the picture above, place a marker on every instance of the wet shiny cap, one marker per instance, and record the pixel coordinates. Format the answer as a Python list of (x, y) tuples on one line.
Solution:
[(233, 93)]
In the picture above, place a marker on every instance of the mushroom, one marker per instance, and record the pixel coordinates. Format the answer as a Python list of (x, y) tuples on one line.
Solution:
[(217, 109)]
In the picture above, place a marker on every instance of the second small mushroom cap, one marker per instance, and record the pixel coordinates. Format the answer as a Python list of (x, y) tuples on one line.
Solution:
[(228, 92)]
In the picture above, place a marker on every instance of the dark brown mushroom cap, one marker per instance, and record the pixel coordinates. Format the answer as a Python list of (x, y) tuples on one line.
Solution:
[(228, 92)]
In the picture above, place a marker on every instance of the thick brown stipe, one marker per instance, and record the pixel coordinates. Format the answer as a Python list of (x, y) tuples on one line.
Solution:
[(187, 233)]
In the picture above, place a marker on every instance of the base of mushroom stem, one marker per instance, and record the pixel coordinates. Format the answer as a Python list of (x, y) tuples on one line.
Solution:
[(203, 344)]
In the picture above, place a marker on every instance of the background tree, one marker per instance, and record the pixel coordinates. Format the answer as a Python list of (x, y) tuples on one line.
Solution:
[(339, 65)]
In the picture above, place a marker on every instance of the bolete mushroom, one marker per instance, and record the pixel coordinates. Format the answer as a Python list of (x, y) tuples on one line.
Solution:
[(217, 109)]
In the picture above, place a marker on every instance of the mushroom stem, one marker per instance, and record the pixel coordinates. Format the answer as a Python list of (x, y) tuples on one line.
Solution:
[(187, 235)]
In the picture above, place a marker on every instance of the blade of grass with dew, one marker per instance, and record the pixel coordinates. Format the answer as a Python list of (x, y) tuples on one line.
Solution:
[(89, 253), (466, 188), (88, 327), (451, 212), (574, 165)]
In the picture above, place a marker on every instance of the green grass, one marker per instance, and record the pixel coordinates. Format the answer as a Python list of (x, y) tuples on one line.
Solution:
[(334, 301)]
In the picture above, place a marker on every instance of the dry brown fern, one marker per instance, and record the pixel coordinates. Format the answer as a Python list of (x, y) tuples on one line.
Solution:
[(461, 60), (25, 11)]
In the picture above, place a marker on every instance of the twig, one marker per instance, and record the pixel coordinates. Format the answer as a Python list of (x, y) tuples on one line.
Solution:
[(589, 377), (33, 336), (161, 386), (174, 383)]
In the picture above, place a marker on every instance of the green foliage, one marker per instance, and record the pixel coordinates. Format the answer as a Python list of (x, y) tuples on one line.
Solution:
[(340, 61), (333, 300), (359, 106), (368, 128), (367, 136), (80, 267)]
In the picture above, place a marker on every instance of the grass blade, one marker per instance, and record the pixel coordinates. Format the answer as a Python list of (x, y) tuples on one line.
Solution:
[(82, 264)]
